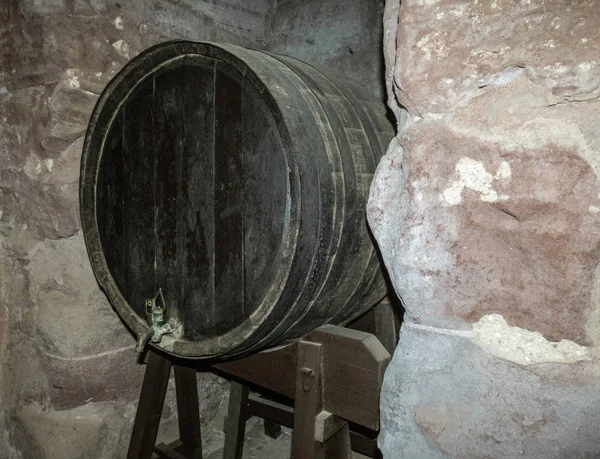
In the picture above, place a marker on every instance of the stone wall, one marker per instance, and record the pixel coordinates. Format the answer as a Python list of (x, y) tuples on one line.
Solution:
[(343, 36), (487, 212), (69, 375)]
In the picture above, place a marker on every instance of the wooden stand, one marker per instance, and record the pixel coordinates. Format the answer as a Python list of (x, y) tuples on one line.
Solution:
[(150, 405), (334, 375)]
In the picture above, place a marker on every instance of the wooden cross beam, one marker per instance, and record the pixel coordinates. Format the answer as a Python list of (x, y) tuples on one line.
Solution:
[(353, 364)]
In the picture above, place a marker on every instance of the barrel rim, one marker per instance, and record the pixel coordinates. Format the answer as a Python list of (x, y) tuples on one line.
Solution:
[(133, 74)]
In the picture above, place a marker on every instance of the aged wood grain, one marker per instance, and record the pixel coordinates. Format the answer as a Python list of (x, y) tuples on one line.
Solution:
[(139, 205), (229, 203), (353, 361), (197, 199)]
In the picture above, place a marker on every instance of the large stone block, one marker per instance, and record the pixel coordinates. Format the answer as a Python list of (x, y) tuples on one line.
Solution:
[(7, 451), (486, 209), (73, 318), (484, 226), (69, 108), (445, 397), (449, 52), (34, 202), (90, 431)]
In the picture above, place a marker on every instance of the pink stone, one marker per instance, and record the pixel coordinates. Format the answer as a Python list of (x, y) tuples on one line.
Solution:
[(488, 204)]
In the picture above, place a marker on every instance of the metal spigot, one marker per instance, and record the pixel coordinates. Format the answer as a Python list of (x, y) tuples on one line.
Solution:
[(155, 316)]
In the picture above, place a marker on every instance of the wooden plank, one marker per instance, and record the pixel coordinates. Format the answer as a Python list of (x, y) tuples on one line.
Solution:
[(352, 238), (139, 205), (188, 412), (264, 369), (308, 400), (326, 425), (354, 363), (169, 451), (265, 196), (385, 325), (168, 130), (235, 424), (338, 446), (362, 441), (381, 321), (364, 445), (152, 398), (270, 410), (109, 198), (229, 204), (197, 200)]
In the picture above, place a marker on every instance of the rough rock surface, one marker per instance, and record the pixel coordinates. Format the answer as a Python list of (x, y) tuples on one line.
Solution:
[(487, 212), (445, 397)]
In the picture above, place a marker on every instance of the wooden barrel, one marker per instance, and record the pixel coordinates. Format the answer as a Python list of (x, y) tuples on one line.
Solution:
[(234, 181)]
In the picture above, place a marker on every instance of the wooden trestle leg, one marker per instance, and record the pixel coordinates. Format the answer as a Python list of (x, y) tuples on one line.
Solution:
[(188, 412), (150, 404), (317, 433), (235, 424)]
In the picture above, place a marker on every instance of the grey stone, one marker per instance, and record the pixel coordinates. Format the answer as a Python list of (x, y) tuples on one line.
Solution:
[(89, 6), (213, 395), (341, 36), (7, 451), (444, 397), (70, 108), (44, 7), (486, 210), (74, 320), (90, 431)]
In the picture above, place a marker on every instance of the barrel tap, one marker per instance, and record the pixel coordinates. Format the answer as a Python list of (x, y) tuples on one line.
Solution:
[(155, 316)]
